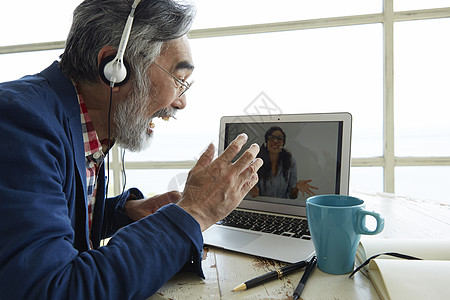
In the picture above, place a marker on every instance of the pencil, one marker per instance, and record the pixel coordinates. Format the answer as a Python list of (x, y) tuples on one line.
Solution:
[(278, 273)]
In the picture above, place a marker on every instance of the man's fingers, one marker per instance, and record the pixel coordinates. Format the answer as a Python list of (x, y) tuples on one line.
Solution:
[(252, 168), (234, 147), (207, 156), (247, 158), (249, 177), (250, 183)]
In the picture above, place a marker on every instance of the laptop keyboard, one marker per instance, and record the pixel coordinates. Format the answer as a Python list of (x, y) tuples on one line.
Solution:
[(280, 225)]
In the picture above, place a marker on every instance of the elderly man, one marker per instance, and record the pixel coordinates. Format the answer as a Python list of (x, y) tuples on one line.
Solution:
[(56, 128)]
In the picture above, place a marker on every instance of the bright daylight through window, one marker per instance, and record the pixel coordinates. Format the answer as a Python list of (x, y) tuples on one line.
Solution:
[(386, 62)]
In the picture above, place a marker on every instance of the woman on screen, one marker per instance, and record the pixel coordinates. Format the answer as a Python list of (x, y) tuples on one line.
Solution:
[(278, 175)]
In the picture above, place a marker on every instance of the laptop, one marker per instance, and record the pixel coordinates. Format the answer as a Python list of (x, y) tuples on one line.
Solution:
[(313, 149)]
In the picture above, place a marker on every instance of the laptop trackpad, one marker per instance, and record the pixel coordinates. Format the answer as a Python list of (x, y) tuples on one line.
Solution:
[(231, 238)]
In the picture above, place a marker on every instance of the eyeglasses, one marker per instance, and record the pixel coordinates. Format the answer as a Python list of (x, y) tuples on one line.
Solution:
[(183, 85), (272, 138)]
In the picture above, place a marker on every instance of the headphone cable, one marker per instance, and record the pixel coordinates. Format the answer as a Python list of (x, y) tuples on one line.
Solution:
[(109, 141)]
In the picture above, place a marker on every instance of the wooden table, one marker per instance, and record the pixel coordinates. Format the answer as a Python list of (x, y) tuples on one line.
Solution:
[(224, 270)]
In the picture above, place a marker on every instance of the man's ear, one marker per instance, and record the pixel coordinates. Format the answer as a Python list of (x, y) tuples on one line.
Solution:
[(106, 69)]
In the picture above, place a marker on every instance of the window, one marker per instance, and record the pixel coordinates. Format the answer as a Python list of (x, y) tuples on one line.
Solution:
[(31, 21), (300, 71), (422, 93), (16, 65), (401, 5), (386, 62), (215, 13)]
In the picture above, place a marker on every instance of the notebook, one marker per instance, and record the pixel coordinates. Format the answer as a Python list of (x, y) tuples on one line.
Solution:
[(311, 148)]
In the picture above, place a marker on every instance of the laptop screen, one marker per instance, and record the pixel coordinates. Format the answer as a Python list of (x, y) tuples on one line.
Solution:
[(303, 155)]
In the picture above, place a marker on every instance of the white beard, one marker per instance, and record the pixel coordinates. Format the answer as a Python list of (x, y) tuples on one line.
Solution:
[(132, 128)]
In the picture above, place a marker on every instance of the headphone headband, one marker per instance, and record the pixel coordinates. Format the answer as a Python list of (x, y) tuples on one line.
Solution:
[(114, 70)]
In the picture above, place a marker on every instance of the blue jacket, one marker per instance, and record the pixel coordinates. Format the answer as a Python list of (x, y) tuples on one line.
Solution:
[(43, 209)]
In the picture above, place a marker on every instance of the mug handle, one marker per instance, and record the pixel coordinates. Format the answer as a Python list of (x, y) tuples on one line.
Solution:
[(362, 229)]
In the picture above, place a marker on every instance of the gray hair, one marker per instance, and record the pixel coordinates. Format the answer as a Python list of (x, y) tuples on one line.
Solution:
[(97, 23)]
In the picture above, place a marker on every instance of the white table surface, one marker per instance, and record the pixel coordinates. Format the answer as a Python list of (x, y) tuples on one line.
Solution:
[(404, 218)]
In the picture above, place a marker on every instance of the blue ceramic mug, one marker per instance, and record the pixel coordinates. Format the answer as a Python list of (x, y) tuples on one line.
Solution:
[(336, 223)]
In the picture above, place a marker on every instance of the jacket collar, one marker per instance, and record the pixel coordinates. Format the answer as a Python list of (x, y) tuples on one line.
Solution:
[(66, 93)]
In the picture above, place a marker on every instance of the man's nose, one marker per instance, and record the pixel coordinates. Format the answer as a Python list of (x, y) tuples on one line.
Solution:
[(180, 102)]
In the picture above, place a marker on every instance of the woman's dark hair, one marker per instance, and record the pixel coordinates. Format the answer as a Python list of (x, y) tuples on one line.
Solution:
[(284, 159)]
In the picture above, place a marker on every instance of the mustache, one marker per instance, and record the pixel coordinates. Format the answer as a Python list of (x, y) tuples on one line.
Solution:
[(165, 112)]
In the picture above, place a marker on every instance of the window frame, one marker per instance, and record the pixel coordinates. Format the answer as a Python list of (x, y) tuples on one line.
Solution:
[(388, 17)]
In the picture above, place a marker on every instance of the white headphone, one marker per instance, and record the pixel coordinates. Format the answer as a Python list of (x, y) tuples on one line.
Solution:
[(114, 70)]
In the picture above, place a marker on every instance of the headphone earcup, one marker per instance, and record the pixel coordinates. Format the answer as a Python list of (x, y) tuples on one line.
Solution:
[(107, 73)]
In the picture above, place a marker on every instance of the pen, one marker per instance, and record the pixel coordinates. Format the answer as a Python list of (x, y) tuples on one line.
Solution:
[(301, 285), (278, 273)]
